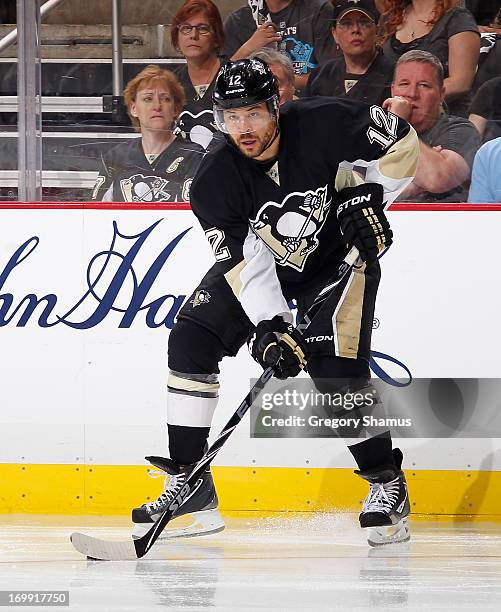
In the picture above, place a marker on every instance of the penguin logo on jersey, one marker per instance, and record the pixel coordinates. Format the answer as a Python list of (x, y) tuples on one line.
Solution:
[(290, 229), (140, 188), (201, 297), (198, 128)]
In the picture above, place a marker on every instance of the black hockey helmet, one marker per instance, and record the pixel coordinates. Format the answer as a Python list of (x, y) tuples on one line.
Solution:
[(244, 83)]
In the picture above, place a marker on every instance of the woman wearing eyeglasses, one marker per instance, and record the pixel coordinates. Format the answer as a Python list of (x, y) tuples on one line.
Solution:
[(361, 72), (197, 33)]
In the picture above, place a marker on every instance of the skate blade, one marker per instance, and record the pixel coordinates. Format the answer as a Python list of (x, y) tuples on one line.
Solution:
[(389, 534), (204, 522)]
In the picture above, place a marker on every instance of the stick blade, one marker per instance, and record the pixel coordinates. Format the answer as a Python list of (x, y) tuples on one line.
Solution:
[(103, 550)]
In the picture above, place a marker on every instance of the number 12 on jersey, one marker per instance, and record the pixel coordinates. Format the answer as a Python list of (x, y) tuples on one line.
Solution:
[(387, 121), (216, 237)]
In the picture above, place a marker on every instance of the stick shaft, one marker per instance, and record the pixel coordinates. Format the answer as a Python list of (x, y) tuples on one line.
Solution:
[(144, 543)]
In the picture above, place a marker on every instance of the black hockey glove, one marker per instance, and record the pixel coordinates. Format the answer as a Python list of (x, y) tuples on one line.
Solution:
[(275, 343), (362, 219)]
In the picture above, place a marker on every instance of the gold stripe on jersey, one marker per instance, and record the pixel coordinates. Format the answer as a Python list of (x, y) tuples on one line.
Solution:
[(401, 159), (233, 278), (187, 384), (394, 170), (347, 319)]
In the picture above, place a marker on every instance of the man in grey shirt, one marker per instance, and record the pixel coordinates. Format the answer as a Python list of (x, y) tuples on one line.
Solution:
[(447, 144), (298, 28)]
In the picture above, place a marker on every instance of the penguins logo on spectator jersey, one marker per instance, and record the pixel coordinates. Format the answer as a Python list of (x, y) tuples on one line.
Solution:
[(140, 188), (290, 229), (197, 127)]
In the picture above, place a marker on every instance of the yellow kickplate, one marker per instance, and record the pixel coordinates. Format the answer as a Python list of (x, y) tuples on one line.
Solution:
[(111, 489)]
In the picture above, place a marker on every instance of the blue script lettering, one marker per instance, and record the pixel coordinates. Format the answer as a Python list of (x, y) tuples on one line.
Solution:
[(102, 306), (31, 300)]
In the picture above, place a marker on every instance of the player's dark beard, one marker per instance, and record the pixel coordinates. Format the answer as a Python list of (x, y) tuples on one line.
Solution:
[(265, 141)]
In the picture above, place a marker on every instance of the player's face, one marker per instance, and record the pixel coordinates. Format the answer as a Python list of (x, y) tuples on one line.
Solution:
[(251, 128), (355, 33), (418, 83), (285, 87), (154, 108), (200, 42)]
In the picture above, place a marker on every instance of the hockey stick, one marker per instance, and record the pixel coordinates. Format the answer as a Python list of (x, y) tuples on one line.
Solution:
[(107, 550)]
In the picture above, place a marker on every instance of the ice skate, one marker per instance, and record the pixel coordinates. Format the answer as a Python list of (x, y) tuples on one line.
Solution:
[(386, 508), (201, 508)]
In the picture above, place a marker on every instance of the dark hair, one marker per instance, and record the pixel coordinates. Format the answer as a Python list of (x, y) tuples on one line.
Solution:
[(422, 57), (191, 7)]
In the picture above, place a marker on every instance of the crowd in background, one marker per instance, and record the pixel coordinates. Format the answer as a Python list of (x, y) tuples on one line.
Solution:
[(435, 63)]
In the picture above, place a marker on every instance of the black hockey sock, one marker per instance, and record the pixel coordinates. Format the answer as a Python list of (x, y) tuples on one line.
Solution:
[(373, 452), (187, 444)]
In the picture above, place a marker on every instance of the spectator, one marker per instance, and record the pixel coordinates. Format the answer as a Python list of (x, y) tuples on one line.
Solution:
[(441, 28), (484, 12), (158, 166), (197, 33), (362, 72), (485, 110), (486, 177), (282, 68), (299, 28), (447, 144), (489, 63)]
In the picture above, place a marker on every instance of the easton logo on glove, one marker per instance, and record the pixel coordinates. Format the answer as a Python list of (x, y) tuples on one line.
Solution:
[(362, 220), (353, 202)]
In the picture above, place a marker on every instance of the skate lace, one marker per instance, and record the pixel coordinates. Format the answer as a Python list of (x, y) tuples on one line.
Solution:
[(382, 496), (172, 486)]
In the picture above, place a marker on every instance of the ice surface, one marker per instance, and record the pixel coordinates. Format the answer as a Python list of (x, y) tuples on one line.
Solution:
[(307, 562)]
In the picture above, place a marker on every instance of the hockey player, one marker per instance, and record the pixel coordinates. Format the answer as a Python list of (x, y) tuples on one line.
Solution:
[(266, 202), (159, 166)]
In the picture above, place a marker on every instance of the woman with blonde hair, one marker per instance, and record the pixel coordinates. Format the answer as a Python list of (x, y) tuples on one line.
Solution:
[(440, 27), (159, 166)]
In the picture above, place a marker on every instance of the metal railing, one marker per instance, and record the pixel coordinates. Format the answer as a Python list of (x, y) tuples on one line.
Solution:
[(11, 37)]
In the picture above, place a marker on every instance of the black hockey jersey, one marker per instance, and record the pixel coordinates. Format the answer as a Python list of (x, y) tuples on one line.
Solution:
[(127, 176), (196, 121), (271, 226)]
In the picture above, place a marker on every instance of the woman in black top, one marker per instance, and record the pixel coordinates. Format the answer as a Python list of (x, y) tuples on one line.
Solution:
[(197, 33), (361, 72), (441, 28)]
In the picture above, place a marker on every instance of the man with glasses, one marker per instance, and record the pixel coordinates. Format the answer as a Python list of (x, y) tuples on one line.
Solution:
[(361, 72)]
